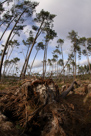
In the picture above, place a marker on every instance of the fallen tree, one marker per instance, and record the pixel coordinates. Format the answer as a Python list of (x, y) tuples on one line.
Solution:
[(27, 100), (36, 100), (71, 88)]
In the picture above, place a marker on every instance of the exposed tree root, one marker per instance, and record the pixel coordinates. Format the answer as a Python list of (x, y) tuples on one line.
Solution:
[(39, 109)]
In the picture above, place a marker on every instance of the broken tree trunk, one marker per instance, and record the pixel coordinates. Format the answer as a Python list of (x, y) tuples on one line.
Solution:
[(64, 94)]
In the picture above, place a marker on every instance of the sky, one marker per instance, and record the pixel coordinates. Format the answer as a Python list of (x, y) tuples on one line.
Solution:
[(70, 15)]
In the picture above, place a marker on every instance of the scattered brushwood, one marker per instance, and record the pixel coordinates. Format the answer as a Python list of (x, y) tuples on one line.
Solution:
[(28, 100)]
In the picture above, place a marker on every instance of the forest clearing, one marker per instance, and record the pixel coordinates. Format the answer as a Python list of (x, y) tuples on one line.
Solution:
[(45, 68)]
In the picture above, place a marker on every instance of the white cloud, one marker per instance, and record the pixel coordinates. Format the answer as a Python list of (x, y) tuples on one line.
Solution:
[(84, 61), (37, 63), (71, 14)]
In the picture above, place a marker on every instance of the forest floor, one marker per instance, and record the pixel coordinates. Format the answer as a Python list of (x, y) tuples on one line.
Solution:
[(81, 101), (75, 117), (83, 112)]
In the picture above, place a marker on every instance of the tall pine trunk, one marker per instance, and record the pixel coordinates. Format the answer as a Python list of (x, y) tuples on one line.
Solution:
[(63, 63), (33, 60), (75, 65), (45, 59), (23, 72), (87, 58)]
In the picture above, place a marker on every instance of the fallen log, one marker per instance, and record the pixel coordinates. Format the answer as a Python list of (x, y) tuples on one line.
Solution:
[(71, 88)]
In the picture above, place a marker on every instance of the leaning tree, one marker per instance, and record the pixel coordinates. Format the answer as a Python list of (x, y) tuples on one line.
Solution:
[(43, 19), (26, 8), (73, 36), (60, 44), (50, 34), (86, 43), (39, 46)]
